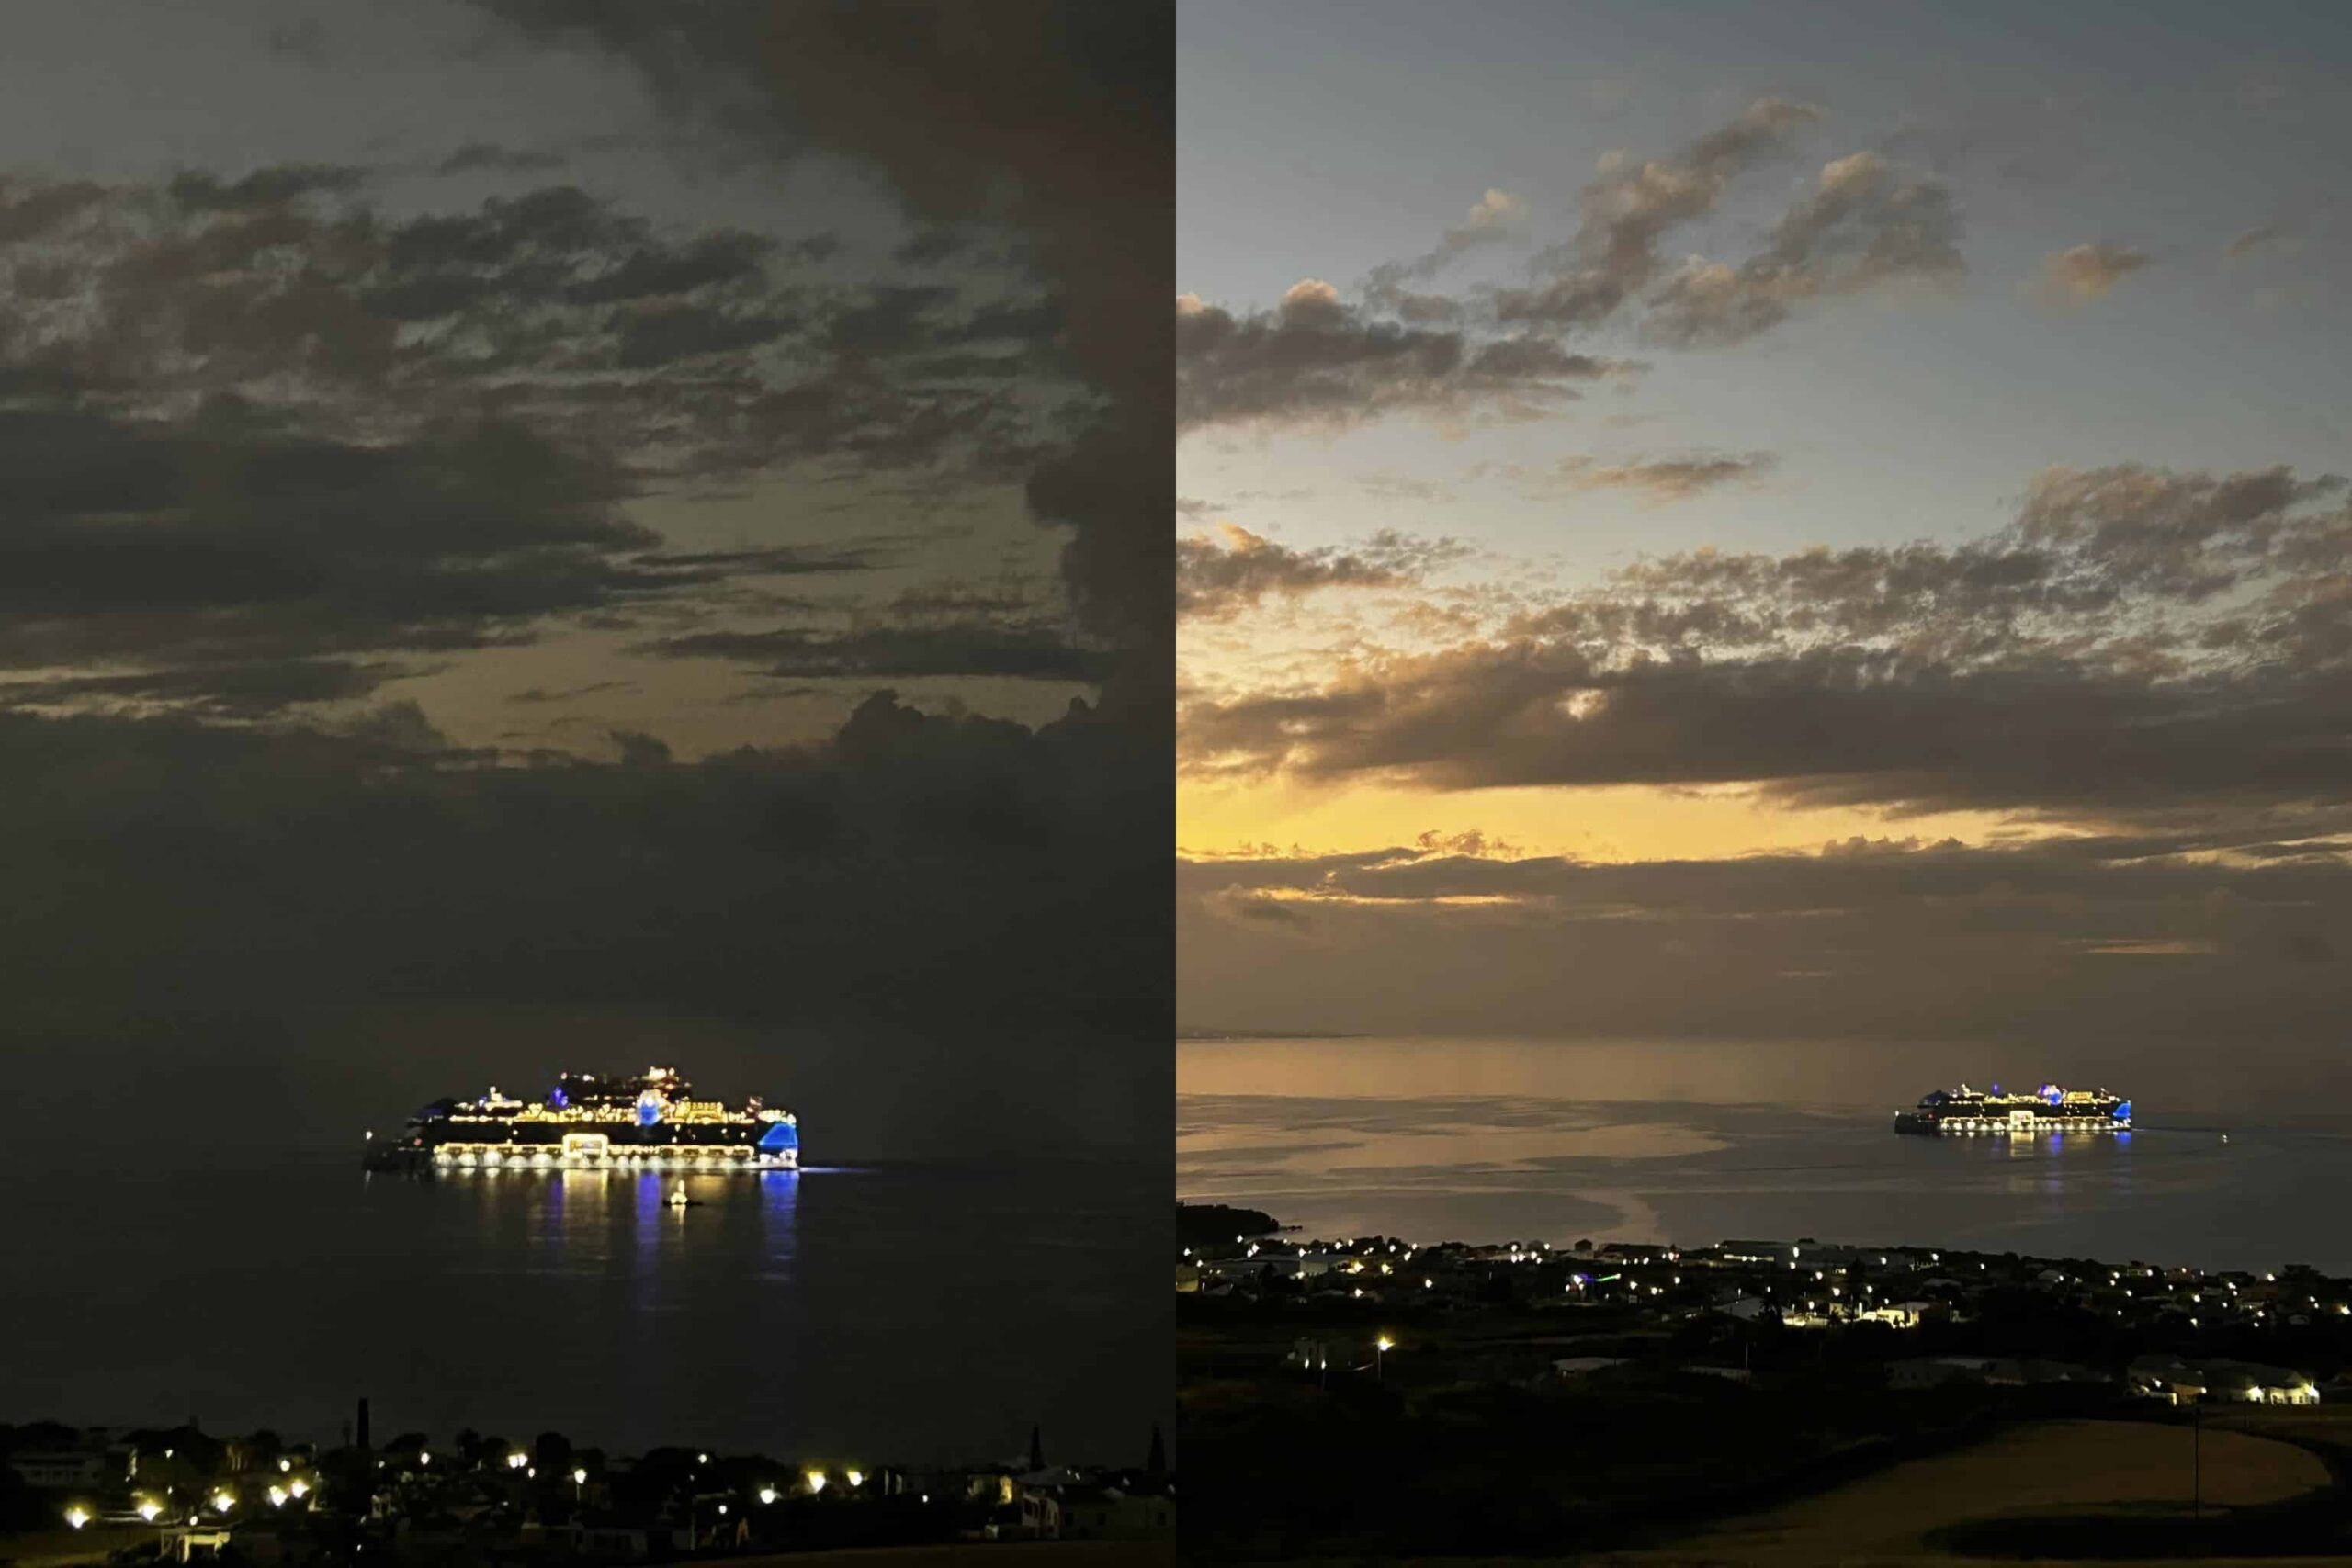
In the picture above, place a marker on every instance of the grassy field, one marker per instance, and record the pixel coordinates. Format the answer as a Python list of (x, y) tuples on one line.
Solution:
[(1001, 1554), (2135, 1475), (59, 1548)]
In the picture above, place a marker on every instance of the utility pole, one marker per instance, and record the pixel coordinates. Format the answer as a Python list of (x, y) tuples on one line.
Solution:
[(2197, 1460)]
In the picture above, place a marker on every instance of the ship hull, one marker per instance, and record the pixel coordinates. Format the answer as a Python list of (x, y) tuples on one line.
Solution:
[(1930, 1124), (596, 1122)]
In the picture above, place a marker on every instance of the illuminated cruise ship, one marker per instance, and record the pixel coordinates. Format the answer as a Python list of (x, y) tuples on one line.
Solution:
[(596, 1121), (2047, 1110)]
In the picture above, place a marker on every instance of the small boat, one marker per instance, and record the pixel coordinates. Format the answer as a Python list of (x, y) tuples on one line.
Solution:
[(678, 1198)]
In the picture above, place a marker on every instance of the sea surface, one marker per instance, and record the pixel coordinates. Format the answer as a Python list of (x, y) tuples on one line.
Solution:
[(2237, 1160), (891, 1311)]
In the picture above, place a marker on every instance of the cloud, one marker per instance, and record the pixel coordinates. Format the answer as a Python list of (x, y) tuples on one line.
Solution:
[(787, 893), (1861, 227), (1631, 206), (1659, 481), (2135, 643), (1064, 138), (1006, 648), (705, 353), (486, 155), (1220, 574), (1495, 217), (1316, 361), (2264, 236), (2081, 273), (2121, 940), (273, 187)]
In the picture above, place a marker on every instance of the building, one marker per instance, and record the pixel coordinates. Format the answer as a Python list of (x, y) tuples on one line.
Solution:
[(1110, 1513), (2178, 1382), (58, 1470)]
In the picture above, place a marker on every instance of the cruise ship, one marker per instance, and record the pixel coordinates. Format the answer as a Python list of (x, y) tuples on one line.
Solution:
[(596, 1121), (2049, 1108)]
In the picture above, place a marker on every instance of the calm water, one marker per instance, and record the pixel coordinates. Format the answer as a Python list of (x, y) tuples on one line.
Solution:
[(1694, 1143), (914, 1311)]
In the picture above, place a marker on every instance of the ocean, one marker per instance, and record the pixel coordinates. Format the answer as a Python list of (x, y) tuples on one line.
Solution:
[(1698, 1142), (890, 1312)]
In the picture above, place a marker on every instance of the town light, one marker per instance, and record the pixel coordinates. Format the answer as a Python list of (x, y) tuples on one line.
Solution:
[(149, 1508), (816, 1480), (284, 1465), (277, 1497), (224, 1501), (299, 1486), (424, 1458), (854, 1477), (515, 1461), (77, 1516), (580, 1477), (767, 1494)]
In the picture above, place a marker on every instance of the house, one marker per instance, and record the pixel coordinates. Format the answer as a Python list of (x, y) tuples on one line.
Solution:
[(1572, 1366), (1110, 1513), (1899, 1315), (2179, 1381), (1934, 1372), (1756, 1252), (196, 1543), (58, 1470)]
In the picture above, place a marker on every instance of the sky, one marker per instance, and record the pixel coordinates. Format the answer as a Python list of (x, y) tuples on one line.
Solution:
[(1817, 519), (545, 535)]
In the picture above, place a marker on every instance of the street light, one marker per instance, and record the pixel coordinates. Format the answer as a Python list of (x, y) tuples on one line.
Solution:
[(1380, 1348)]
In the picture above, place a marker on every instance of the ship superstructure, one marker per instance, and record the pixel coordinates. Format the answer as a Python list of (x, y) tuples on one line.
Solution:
[(596, 1120), (2049, 1108)]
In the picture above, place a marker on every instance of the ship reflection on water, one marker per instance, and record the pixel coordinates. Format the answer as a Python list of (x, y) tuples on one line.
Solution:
[(574, 1222)]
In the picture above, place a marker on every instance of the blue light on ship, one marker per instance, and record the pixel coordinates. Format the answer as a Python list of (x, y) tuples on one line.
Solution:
[(2123, 1112), (648, 1109), (779, 1138)]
